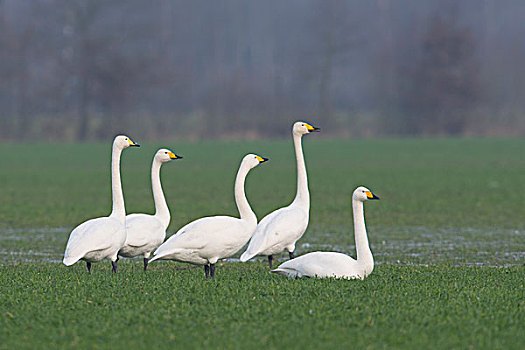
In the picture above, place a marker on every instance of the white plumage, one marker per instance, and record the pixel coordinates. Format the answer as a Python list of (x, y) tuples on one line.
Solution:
[(206, 240), (281, 229), (101, 238), (337, 265), (145, 233)]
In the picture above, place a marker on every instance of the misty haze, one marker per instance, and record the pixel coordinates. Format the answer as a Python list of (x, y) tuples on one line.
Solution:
[(72, 69)]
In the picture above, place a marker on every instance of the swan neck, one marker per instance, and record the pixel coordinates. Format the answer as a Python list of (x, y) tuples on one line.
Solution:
[(161, 207), (243, 206), (118, 211), (303, 196), (364, 254)]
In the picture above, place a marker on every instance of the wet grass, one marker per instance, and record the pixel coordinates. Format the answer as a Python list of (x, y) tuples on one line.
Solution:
[(451, 210)]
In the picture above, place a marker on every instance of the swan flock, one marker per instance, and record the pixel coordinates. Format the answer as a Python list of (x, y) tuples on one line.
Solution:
[(207, 240)]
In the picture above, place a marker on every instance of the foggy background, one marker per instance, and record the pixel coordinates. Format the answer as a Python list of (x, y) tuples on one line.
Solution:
[(82, 70)]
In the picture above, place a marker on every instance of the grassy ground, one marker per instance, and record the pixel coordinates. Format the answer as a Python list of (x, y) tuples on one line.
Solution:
[(451, 210), (397, 307)]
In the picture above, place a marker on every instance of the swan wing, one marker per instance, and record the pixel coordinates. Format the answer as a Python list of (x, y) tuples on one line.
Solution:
[(92, 235), (320, 265), (142, 229), (280, 227)]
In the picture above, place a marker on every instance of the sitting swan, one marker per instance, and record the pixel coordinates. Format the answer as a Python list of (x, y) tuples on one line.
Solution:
[(280, 229), (330, 264), (146, 232), (206, 240), (101, 238)]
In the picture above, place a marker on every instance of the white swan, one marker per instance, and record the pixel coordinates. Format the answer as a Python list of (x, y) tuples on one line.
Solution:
[(280, 229), (101, 238), (330, 264), (206, 240), (144, 233)]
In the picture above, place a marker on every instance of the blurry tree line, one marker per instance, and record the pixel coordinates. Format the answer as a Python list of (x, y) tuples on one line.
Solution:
[(86, 69)]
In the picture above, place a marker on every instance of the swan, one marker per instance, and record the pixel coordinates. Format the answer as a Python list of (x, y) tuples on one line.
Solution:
[(206, 240), (144, 233), (101, 238), (280, 229), (338, 265)]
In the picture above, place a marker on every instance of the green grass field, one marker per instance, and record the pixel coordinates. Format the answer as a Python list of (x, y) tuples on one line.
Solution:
[(448, 238)]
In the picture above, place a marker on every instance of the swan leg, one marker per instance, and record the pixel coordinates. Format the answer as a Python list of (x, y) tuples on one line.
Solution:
[(207, 270), (291, 255), (145, 263), (270, 259), (212, 270), (114, 266), (88, 264)]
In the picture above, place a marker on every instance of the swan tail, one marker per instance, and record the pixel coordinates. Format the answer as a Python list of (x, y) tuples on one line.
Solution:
[(246, 256), (161, 256), (156, 257), (290, 273), (69, 260)]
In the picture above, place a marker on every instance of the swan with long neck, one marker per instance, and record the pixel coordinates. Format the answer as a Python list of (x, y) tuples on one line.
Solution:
[(145, 233), (281, 229), (206, 240), (338, 265), (101, 238)]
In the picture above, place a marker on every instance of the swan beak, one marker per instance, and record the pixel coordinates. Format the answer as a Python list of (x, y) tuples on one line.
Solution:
[(132, 143), (174, 156), (262, 159), (370, 195), (312, 128)]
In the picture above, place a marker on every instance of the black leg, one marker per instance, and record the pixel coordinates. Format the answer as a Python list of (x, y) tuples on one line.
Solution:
[(114, 264), (88, 264), (212, 270), (207, 270), (291, 255), (145, 263), (117, 258), (270, 259)]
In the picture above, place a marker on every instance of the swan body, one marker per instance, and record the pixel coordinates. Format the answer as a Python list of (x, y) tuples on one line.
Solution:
[(101, 238), (145, 233), (281, 229), (95, 240), (277, 232), (337, 265), (206, 240)]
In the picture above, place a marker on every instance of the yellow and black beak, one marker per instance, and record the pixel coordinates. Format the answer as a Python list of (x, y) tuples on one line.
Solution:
[(370, 195), (133, 144), (261, 159), (312, 128), (174, 156)]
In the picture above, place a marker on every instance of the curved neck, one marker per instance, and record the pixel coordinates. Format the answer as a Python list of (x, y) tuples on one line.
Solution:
[(162, 212), (118, 211), (364, 254), (303, 196), (240, 197)]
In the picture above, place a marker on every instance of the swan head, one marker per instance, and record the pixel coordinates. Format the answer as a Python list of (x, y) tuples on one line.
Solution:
[(164, 155), (123, 141), (303, 128), (252, 160), (363, 194)]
